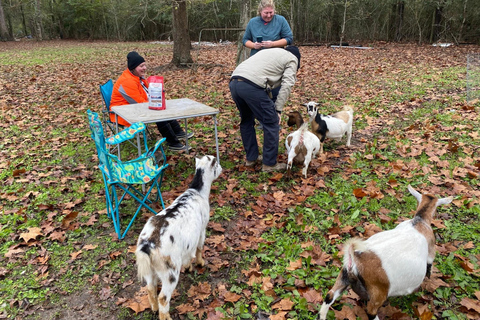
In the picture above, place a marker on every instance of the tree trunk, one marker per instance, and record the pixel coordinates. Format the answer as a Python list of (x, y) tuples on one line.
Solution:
[(4, 35), (37, 20), (24, 22), (460, 32), (437, 24), (344, 22), (243, 52), (399, 20), (181, 37)]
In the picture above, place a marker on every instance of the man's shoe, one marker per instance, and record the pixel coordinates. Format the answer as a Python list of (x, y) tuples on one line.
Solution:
[(177, 147), (183, 135), (251, 164), (276, 167)]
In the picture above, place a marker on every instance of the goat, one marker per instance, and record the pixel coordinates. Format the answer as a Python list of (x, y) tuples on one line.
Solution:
[(331, 126), (172, 238), (294, 118), (389, 263), (301, 145)]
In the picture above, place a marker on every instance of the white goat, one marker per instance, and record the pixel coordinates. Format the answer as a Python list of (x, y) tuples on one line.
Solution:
[(333, 126), (389, 263), (301, 145), (172, 238)]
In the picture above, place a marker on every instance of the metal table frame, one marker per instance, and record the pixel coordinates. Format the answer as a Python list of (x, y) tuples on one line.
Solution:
[(175, 109)]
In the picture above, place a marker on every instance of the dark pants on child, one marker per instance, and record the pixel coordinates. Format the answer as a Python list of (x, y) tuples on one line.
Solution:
[(253, 103), (169, 130)]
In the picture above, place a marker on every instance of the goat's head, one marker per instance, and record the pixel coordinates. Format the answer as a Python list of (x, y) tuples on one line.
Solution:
[(294, 118), (311, 109), (209, 167), (427, 203)]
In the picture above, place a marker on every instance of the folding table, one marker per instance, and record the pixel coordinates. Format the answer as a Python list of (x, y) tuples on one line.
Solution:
[(175, 109)]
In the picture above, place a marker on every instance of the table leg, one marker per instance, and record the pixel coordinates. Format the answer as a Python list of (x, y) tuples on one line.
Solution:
[(216, 136), (186, 134)]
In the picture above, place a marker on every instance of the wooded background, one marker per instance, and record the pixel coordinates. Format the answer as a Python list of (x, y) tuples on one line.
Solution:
[(312, 21)]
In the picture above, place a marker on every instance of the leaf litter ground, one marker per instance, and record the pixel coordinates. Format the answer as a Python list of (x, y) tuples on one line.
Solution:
[(47, 88)]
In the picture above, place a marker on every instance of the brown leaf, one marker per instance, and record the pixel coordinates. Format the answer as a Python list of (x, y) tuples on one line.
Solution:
[(359, 193), (57, 235), (13, 251), (89, 247), (18, 172), (345, 313), (279, 316), (75, 255), (231, 297), (68, 219), (114, 255), (184, 308), (32, 233), (284, 305), (294, 265), (433, 284), (313, 296), (201, 292), (138, 304), (471, 304)]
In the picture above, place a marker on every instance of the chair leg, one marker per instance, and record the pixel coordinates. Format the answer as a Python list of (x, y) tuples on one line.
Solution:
[(114, 201)]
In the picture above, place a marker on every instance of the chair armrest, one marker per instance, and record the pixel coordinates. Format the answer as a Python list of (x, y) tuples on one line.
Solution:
[(155, 147), (126, 134)]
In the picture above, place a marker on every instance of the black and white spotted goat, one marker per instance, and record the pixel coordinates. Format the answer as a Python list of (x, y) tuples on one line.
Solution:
[(172, 238), (333, 126)]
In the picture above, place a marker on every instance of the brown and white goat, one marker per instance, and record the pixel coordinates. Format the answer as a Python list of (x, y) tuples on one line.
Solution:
[(301, 145), (330, 126), (172, 238), (389, 263)]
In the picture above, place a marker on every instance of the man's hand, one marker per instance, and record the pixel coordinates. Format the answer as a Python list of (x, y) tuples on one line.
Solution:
[(267, 44)]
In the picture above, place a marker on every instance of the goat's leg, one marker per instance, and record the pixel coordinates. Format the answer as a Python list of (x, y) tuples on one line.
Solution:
[(169, 280), (431, 253), (199, 258), (198, 254), (151, 281), (308, 158), (377, 298), (340, 285), (349, 135)]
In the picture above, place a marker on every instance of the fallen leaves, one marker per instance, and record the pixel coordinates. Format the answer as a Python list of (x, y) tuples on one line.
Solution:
[(32, 234)]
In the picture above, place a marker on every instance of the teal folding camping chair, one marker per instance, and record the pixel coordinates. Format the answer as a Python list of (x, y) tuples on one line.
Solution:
[(106, 91), (121, 177)]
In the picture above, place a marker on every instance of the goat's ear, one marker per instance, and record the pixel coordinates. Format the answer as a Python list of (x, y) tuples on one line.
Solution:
[(415, 193), (444, 201), (305, 104)]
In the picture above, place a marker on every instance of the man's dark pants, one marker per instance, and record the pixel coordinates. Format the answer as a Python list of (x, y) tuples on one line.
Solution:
[(254, 102)]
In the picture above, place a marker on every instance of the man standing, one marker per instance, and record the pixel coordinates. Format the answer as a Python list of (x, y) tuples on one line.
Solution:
[(251, 87)]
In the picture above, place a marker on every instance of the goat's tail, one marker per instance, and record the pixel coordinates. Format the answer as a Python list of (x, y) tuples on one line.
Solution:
[(144, 260), (349, 249), (304, 127)]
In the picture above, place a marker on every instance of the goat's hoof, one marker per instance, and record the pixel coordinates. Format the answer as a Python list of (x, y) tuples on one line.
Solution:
[(164, 316), (201, 262)]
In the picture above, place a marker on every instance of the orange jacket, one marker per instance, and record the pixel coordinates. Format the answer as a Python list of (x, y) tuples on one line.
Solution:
[(127, 90)]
